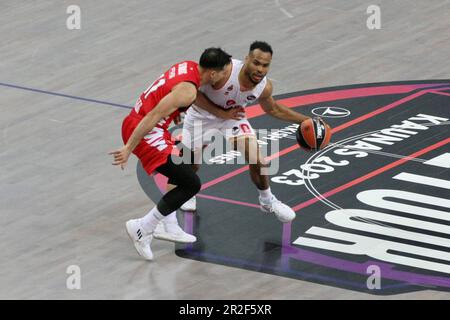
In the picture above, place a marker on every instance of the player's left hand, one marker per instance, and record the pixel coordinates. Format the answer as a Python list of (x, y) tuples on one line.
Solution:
[(120, 156), (177, 120)]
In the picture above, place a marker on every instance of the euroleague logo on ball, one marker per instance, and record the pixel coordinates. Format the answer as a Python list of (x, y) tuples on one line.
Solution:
[(313, 134), (320, 128)]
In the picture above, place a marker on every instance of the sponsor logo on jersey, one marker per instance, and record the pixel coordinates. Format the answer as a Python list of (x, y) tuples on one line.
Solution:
[(230, 103)]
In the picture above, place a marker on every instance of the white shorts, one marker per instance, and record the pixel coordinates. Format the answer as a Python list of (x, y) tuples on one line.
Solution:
[(199, 127)]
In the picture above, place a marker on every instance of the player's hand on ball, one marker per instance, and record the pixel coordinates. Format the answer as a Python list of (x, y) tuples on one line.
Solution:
[(120, 156)]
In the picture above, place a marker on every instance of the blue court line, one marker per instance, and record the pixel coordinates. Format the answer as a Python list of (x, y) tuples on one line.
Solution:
[(65, 95)]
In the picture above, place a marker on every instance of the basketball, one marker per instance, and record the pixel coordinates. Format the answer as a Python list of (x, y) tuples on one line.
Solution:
[(313, 134)]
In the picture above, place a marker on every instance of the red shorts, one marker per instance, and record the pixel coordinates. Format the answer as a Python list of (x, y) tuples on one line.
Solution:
[(154, 149)]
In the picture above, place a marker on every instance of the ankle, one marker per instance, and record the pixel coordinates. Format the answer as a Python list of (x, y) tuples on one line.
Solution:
[(265, 195)]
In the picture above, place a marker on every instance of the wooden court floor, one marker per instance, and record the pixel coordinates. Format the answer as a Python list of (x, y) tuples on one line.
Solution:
[(64, 93)]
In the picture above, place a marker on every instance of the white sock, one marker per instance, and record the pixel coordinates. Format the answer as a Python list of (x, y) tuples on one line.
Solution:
[(266, 195), (171, 218), (151, 220)]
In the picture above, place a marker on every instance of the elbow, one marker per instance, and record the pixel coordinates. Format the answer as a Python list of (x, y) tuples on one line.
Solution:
[(189, 98), (192, 97), (275, 112), (184, 99)]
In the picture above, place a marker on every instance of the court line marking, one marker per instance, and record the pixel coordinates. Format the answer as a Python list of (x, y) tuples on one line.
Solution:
[(242, 203), (440, 93), (284, 11), (65, 95), (251, 109)]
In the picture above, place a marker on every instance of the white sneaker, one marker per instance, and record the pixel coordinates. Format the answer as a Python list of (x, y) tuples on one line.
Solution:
[(190, 205), (171, 231), (283, 212), (140, 238)]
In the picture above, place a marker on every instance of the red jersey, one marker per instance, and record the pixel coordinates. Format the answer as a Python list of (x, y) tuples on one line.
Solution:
[(186, 71), (157, 145)]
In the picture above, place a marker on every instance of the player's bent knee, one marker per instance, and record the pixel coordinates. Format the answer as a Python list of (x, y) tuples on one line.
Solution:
[(195, 185), (195, 167), (246, 144)]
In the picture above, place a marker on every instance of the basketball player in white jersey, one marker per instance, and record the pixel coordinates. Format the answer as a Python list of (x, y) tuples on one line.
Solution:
[(220, 107)]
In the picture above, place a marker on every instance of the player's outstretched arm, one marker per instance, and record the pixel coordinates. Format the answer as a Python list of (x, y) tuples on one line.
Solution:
[(277, 110), (203, 102), (182, 95)]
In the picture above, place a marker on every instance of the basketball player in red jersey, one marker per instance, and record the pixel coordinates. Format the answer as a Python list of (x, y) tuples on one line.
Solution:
[(145, 133)]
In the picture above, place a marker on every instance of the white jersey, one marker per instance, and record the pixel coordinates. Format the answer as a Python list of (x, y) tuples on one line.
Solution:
[(230, 95)]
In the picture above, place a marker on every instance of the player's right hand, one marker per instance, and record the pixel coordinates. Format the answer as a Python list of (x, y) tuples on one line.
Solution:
[(120, 156), (237, 113)]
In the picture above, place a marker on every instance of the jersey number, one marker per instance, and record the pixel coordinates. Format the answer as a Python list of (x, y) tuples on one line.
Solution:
[(182, 69), (153, 87)]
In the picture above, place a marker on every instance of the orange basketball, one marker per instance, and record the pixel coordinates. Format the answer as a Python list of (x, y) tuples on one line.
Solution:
[(313, 134)]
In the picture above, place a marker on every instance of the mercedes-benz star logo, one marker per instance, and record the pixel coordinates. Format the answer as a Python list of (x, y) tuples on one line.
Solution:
[(331, 112)]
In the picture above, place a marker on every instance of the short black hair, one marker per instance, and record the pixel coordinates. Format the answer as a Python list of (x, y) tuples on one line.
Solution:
[(214, 58), (261, 45)]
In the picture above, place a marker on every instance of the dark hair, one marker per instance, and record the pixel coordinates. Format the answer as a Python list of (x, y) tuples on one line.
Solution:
[(261, 45), (214, 58)]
